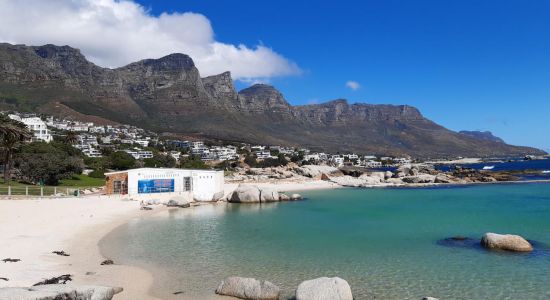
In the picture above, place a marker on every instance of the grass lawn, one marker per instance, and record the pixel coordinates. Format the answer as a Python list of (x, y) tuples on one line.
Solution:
[(67, 186), (82, 181), (75, 181)]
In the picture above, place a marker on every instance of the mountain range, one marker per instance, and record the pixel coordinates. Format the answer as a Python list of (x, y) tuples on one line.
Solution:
[(169, 95)]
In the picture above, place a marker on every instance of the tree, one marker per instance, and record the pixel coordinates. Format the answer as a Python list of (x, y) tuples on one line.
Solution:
[(13, 134), (47, 168), (71, 138), (97, 163), (121, 160), (160, 161), (273, 162), (193, 162), (250, 161), (47, 163)]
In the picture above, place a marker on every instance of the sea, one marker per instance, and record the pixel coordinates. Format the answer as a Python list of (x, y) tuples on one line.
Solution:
[(539, 169), (387, 243)]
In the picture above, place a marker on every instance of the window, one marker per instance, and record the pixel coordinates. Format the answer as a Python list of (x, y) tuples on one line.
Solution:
[(186, 184), (119, 187)]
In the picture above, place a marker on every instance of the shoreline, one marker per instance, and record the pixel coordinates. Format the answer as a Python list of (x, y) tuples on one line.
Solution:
[(32, 228)]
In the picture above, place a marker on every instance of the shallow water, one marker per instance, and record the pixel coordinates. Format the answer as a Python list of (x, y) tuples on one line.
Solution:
[(384, 242)]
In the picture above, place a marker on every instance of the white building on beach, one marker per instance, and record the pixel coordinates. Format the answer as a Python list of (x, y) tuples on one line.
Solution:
[(198, 185)]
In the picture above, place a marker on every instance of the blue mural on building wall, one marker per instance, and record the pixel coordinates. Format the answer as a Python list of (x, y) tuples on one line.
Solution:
[(149, 186)]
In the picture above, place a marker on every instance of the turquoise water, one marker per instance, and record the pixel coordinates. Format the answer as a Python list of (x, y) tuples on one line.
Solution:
[(382, 241)]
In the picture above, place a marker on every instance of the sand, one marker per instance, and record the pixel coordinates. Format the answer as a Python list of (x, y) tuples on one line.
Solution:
[(32, 229)]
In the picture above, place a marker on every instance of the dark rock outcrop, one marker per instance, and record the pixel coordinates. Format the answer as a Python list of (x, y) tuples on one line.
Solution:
[(107, 262), (55, 280), (61, 253)]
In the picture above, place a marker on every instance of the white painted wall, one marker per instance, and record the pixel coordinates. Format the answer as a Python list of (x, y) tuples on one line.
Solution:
[(205, 183)]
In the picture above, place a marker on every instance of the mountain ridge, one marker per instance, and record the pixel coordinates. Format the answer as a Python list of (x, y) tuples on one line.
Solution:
[(169, 95)]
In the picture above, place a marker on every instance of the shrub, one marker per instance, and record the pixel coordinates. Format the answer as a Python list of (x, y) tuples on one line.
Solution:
[(121, 160), (97, 174)]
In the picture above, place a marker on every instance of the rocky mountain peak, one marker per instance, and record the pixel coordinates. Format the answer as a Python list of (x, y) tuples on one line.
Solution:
[(172, 62), (220, 87), (50, 51), (168, 94), (482, 135), (69, 59), (265, 96)]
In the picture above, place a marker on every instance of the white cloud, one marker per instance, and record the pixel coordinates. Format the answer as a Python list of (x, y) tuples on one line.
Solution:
[(114, 33), (353, 85)]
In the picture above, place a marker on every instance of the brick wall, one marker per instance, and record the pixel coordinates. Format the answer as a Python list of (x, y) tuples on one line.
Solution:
[(110, 179)]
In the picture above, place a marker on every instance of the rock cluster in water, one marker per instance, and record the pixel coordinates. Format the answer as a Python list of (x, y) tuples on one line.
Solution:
[(248, 288), (490, 241), (506, 242), (408, 174), (322, 288), (255, 194)]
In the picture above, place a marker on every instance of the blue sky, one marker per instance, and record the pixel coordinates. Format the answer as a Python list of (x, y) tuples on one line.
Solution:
[(467, 65), (474, 65)]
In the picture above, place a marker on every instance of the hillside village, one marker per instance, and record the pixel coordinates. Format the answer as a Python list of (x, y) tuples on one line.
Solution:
[(95, 140)]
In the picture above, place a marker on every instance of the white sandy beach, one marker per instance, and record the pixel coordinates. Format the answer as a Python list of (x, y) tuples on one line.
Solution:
[(31, 229)]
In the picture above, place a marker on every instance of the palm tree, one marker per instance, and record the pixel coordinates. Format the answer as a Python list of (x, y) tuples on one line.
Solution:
[(13, 134), (71, 138)]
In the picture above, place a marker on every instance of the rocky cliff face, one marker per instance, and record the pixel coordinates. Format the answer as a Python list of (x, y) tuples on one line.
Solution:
[(482, 135), (168, 94)]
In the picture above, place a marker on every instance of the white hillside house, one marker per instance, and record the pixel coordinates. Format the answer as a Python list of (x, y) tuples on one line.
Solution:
[(38, 128)]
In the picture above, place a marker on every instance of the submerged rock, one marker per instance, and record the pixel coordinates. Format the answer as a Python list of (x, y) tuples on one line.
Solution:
[(324, 288), (296, 197), (59, 292), (459, 242), (248, 288), (507, 242)]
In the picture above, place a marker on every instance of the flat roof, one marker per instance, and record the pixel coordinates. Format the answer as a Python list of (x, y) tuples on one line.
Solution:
[(160, 169)]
